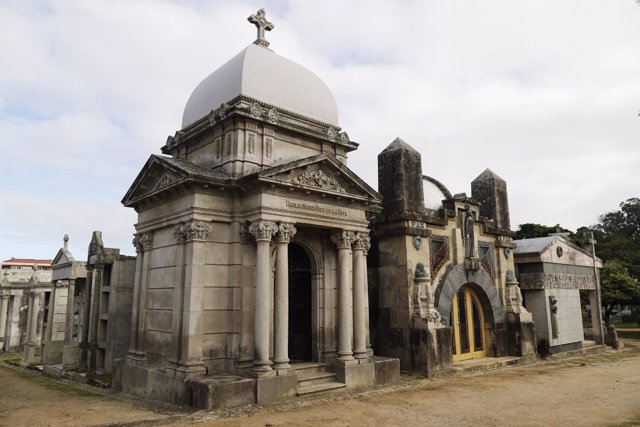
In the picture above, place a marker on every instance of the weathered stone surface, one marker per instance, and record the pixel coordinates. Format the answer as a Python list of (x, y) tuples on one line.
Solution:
[(220, 391), (490, 191)]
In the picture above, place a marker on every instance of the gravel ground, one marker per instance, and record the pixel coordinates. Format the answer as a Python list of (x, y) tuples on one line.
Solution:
[(586, 391)]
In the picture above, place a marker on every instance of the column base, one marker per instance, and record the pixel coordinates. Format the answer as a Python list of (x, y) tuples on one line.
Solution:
[(281, 364), (189, 369), (136, 358), (262, 366), (344, 356)]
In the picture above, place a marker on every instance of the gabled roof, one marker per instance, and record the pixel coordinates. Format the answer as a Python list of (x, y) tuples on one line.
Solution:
[(27, 262), (536, 245), (161, 173)]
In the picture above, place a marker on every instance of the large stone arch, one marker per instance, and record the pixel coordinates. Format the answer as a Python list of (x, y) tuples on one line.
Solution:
[(457, 276)]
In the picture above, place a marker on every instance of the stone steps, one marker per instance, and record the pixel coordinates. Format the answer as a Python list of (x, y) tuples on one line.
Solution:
[(314, 378)]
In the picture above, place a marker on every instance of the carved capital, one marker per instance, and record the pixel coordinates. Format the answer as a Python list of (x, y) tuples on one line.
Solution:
[(343, 239), (194, 230), (285, 232), (263, 230), (362, 242), (142, 241)]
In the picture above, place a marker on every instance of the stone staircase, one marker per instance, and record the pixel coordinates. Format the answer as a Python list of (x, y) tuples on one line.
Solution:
[(314, 378)]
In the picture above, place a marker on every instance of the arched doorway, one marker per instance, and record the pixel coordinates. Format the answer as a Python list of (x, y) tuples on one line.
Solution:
[(467, 319), (299, 304)]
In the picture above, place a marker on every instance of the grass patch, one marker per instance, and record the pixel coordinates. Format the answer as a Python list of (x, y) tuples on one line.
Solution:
[(626, 325), (628, 334), (49, 383)]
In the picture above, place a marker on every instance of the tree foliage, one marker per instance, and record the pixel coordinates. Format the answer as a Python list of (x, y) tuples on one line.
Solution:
[(618, 287), (531, 231)]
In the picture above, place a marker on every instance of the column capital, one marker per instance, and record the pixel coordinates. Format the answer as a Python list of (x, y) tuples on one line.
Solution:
[(193, 230), (343, 239), (142, 241), (263, 230), (285, 232), (362, 242)]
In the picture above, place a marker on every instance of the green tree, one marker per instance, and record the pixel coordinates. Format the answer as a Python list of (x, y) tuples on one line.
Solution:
[(530, 231), (618, 287), (618, 236)]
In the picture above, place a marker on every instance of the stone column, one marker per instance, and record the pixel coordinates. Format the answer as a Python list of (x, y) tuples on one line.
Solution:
[(361, 244), (262, 231), (86, 310), (32, 327), (281, 327), (4, 302), (343, 240)]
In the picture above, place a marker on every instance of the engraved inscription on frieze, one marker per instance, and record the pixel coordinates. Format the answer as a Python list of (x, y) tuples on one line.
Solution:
[(314, 207), (556, 281)]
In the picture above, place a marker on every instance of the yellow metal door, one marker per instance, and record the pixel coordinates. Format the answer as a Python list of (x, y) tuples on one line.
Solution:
[(467, 320)]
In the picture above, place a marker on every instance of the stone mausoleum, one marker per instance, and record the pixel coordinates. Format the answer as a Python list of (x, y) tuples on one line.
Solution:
[(443, 269), (252, 241), (552, 272)]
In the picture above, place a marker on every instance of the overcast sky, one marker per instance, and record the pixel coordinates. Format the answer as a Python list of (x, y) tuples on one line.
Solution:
[(545, 93)]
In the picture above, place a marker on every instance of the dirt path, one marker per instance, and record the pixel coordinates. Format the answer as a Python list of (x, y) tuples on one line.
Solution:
[(589, 391)]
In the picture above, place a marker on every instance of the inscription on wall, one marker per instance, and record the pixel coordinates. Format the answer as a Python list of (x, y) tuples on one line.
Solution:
[(314, 207), (556, 281)]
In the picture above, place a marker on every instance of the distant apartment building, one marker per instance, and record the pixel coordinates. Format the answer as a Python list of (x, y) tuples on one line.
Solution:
[(22, 269)]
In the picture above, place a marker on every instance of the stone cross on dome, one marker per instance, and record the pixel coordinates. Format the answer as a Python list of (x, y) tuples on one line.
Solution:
[(261, 23)]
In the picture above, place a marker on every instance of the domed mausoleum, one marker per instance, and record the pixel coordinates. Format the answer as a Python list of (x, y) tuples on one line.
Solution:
[(252, 238)]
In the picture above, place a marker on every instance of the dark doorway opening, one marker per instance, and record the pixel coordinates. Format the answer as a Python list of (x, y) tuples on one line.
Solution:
[(299, 304)]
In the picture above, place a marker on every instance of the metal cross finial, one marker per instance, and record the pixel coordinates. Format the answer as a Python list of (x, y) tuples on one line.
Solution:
[(261, 23)]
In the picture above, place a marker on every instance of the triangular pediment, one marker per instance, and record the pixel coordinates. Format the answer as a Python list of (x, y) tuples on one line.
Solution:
[(162, 173), (322, 173), (62, 257)]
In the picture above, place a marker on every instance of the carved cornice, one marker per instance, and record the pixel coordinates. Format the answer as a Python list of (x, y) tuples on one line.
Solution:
[(263, 230), (361, 242), (343, 239), (194, 230), (318, 179), (142, 241), (285, 232)]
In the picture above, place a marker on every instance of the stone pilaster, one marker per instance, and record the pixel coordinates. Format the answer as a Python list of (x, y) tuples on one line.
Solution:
[(193, 236), (361, 244), (343, 240), (29, 355), (262, 231), (143, 243), (281, 326), (4, 302)]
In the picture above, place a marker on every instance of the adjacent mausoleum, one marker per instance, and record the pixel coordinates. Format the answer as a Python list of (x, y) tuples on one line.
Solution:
[(552, 271)]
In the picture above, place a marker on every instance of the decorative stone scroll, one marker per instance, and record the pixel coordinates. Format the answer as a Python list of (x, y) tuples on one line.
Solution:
[(256, 110), (263, 230), (557, 281), (362, 241), (332, 134), (272, 116), (439, 253), (343, 239), (142, 241), (318, 179), (285, 232)]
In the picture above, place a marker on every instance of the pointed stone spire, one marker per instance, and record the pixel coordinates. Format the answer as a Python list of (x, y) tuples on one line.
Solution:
[(490, 191), (400, 179)]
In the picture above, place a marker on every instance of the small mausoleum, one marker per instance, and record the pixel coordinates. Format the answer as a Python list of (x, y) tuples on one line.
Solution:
[(552, 271)]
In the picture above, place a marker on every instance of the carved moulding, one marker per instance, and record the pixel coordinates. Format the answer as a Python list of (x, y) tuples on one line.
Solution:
[(318, 179), (263, 230), (343, 239), (194, 230)]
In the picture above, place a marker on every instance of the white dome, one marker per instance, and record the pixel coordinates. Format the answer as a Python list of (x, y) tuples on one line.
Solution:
[(434, 193), (261, 74)]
